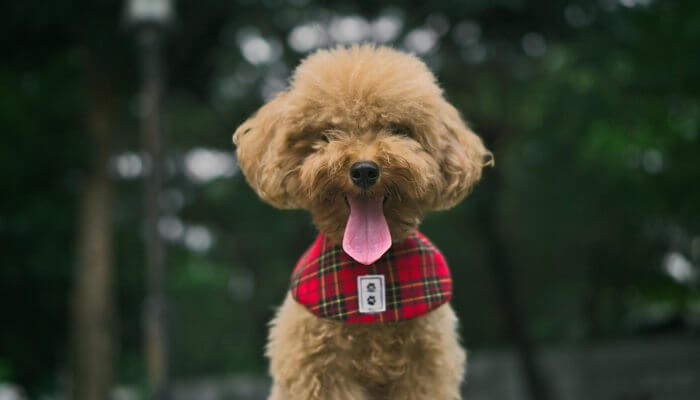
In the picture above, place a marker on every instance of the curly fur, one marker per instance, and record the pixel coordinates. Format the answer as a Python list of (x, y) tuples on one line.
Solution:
[(313, 358), (343, 106)]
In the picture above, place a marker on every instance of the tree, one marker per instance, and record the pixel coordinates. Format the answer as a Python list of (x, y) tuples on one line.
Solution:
[(94, 325)]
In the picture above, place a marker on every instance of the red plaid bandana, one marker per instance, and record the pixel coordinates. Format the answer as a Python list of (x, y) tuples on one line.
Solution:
[(416, 275)]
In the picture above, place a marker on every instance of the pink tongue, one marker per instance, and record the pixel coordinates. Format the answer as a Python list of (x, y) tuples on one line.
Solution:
[(366, 236)]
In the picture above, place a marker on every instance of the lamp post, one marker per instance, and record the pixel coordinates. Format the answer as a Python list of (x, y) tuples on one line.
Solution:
[(150, 17)]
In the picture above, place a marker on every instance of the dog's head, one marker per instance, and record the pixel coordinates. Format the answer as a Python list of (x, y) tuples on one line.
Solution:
[(365, 141)]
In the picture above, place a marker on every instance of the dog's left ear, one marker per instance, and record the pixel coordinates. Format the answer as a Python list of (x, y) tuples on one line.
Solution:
[(462, 156), (269, 166)]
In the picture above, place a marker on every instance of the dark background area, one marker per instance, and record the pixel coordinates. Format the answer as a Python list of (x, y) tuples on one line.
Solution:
[(586, 232)]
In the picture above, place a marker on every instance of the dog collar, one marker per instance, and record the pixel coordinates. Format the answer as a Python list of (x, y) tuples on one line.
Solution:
[(409, 280)]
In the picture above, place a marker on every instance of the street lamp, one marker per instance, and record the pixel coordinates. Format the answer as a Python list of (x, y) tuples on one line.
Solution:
[(149, 17)]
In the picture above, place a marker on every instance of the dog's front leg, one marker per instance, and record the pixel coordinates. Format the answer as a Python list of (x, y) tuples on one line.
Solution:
[(436, 369), (304, 363), (309, 390)]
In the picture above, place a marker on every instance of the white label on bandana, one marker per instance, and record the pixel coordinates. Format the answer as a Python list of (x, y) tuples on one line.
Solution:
[(370, 294)]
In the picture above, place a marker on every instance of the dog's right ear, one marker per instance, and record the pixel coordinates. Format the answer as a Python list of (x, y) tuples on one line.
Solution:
[(260, 148), (462, 157)]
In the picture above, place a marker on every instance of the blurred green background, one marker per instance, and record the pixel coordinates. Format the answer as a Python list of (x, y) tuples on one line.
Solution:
[(575, 260)]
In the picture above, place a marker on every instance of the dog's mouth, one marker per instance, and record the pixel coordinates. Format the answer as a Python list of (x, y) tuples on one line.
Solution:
[(366, 237)]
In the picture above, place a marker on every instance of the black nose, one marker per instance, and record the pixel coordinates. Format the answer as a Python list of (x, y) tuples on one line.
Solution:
[(364, 173)]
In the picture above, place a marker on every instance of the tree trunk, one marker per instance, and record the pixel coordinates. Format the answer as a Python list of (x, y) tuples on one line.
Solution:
[(93, 311), (156, 305), (506, 290)]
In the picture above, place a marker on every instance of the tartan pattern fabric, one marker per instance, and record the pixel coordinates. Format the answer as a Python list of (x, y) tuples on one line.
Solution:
[(416, 275)]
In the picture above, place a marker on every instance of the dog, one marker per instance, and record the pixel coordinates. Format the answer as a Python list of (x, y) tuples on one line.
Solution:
[(365, 141)]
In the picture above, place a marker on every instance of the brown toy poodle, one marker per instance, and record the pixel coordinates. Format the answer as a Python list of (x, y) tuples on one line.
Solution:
[(365, 141)]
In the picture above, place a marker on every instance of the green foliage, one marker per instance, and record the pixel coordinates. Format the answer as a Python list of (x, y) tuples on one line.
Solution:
[(5, 371)]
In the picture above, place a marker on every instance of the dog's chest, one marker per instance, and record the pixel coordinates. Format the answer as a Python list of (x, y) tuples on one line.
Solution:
[(381, 353)]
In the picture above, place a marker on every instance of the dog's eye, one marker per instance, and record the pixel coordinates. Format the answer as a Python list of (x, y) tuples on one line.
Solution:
[(399, 129), (328, 135)]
